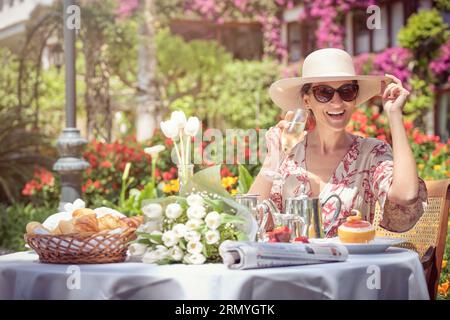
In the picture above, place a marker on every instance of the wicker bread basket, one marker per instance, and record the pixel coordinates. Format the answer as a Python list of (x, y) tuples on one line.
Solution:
[(81, 248)]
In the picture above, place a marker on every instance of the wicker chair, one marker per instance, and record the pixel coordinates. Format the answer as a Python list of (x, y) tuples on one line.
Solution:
[(428, 236)]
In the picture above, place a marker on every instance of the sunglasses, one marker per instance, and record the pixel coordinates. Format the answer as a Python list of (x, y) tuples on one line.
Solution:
[(324, 93)]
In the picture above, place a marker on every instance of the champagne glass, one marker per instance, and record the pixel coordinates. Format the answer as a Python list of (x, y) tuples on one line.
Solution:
[(295, 131)]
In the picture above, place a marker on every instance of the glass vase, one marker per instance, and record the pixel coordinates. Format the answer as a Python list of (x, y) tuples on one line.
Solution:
[(185, 174)]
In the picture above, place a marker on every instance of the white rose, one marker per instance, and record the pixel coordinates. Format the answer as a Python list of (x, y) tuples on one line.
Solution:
[(137, 249), (176, 253), (180, 230), (173, 211), (152, 210), (193, 224), (194, 200), (149, 227), (179, 118), (169, 238), (195, 258), (194, 247), (192, 126), (170, 129), (196, 212), (212, 236), (193, 236)]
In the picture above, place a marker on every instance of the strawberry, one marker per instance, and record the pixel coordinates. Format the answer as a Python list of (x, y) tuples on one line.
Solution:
[(301, 239)]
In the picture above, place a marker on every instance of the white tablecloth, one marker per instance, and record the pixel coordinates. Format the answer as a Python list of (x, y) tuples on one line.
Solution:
[(401, 276)]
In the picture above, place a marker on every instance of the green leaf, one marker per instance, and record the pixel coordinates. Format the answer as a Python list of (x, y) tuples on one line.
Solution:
[(245, 180), (155, 237)]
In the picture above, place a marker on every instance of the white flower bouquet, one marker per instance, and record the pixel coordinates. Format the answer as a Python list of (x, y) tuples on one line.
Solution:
[(190, 228)]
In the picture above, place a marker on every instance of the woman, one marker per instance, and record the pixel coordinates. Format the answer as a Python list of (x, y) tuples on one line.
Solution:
[(330, 160)]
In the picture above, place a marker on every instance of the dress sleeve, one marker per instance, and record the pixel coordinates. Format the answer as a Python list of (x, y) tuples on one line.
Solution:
[(395, 217)]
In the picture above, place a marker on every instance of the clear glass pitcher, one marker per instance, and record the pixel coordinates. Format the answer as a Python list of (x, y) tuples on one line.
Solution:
[(251, 202)]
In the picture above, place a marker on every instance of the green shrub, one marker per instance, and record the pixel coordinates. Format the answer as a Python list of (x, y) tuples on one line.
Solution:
[(424, 32), (13, 220)]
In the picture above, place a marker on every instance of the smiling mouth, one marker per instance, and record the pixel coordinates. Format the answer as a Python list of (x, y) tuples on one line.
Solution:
[(335, 114)]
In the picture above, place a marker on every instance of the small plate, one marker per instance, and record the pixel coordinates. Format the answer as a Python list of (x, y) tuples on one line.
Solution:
[(377, 245)]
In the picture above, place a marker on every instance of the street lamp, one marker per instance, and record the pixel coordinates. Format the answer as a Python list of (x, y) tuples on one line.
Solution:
[(70, 144), (57, 54)]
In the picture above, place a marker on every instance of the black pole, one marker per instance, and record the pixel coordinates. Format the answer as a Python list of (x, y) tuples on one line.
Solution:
[(70, 144)]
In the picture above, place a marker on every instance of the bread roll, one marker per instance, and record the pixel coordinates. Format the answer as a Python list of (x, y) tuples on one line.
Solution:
[(66, 227), (82, 212), (34, 227), (86, 223)]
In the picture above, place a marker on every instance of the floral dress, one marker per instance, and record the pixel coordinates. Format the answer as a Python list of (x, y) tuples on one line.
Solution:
[(363, 176)]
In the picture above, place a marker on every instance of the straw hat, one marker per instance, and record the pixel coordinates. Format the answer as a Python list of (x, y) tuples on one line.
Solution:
[(324, 65)]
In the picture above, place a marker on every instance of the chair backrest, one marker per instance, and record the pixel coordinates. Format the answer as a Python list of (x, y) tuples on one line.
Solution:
[(429, 232)]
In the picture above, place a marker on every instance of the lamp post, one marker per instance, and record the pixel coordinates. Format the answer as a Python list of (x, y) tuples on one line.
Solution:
[(70, 144)]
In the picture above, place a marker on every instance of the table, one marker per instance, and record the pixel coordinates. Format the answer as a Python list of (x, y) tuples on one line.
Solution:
[(399, 272)]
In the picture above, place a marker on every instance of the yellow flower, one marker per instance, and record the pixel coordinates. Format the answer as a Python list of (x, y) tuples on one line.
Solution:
[(167, 188), (437, 167), (443, 288), (233, 192), (175, 185), (444, 264), (421, 166)]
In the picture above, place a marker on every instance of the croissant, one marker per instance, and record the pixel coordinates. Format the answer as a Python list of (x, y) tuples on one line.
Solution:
[(86, 223), (108, 222), (132, 222), (82, 212)]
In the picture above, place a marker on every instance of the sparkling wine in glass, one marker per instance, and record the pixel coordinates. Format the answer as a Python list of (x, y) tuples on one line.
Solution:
[(295, 132)]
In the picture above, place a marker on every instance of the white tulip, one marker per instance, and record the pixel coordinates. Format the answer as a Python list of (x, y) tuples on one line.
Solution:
[(192, 126), (170, 129), (153, 151), (155, 233), (212, 236), (195, 258), (180, 230), (176, 253), (162, 251), (193, 224), (173, 211), (195, 200), (137, 249), (150, 226), (152, 211), (213, 220), (192, 236), (179, 118), (169, 238), (194, 247), (150, 257), (196, 212)]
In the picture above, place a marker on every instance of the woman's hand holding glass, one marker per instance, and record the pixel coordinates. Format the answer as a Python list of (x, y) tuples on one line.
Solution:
[(281, 138)]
